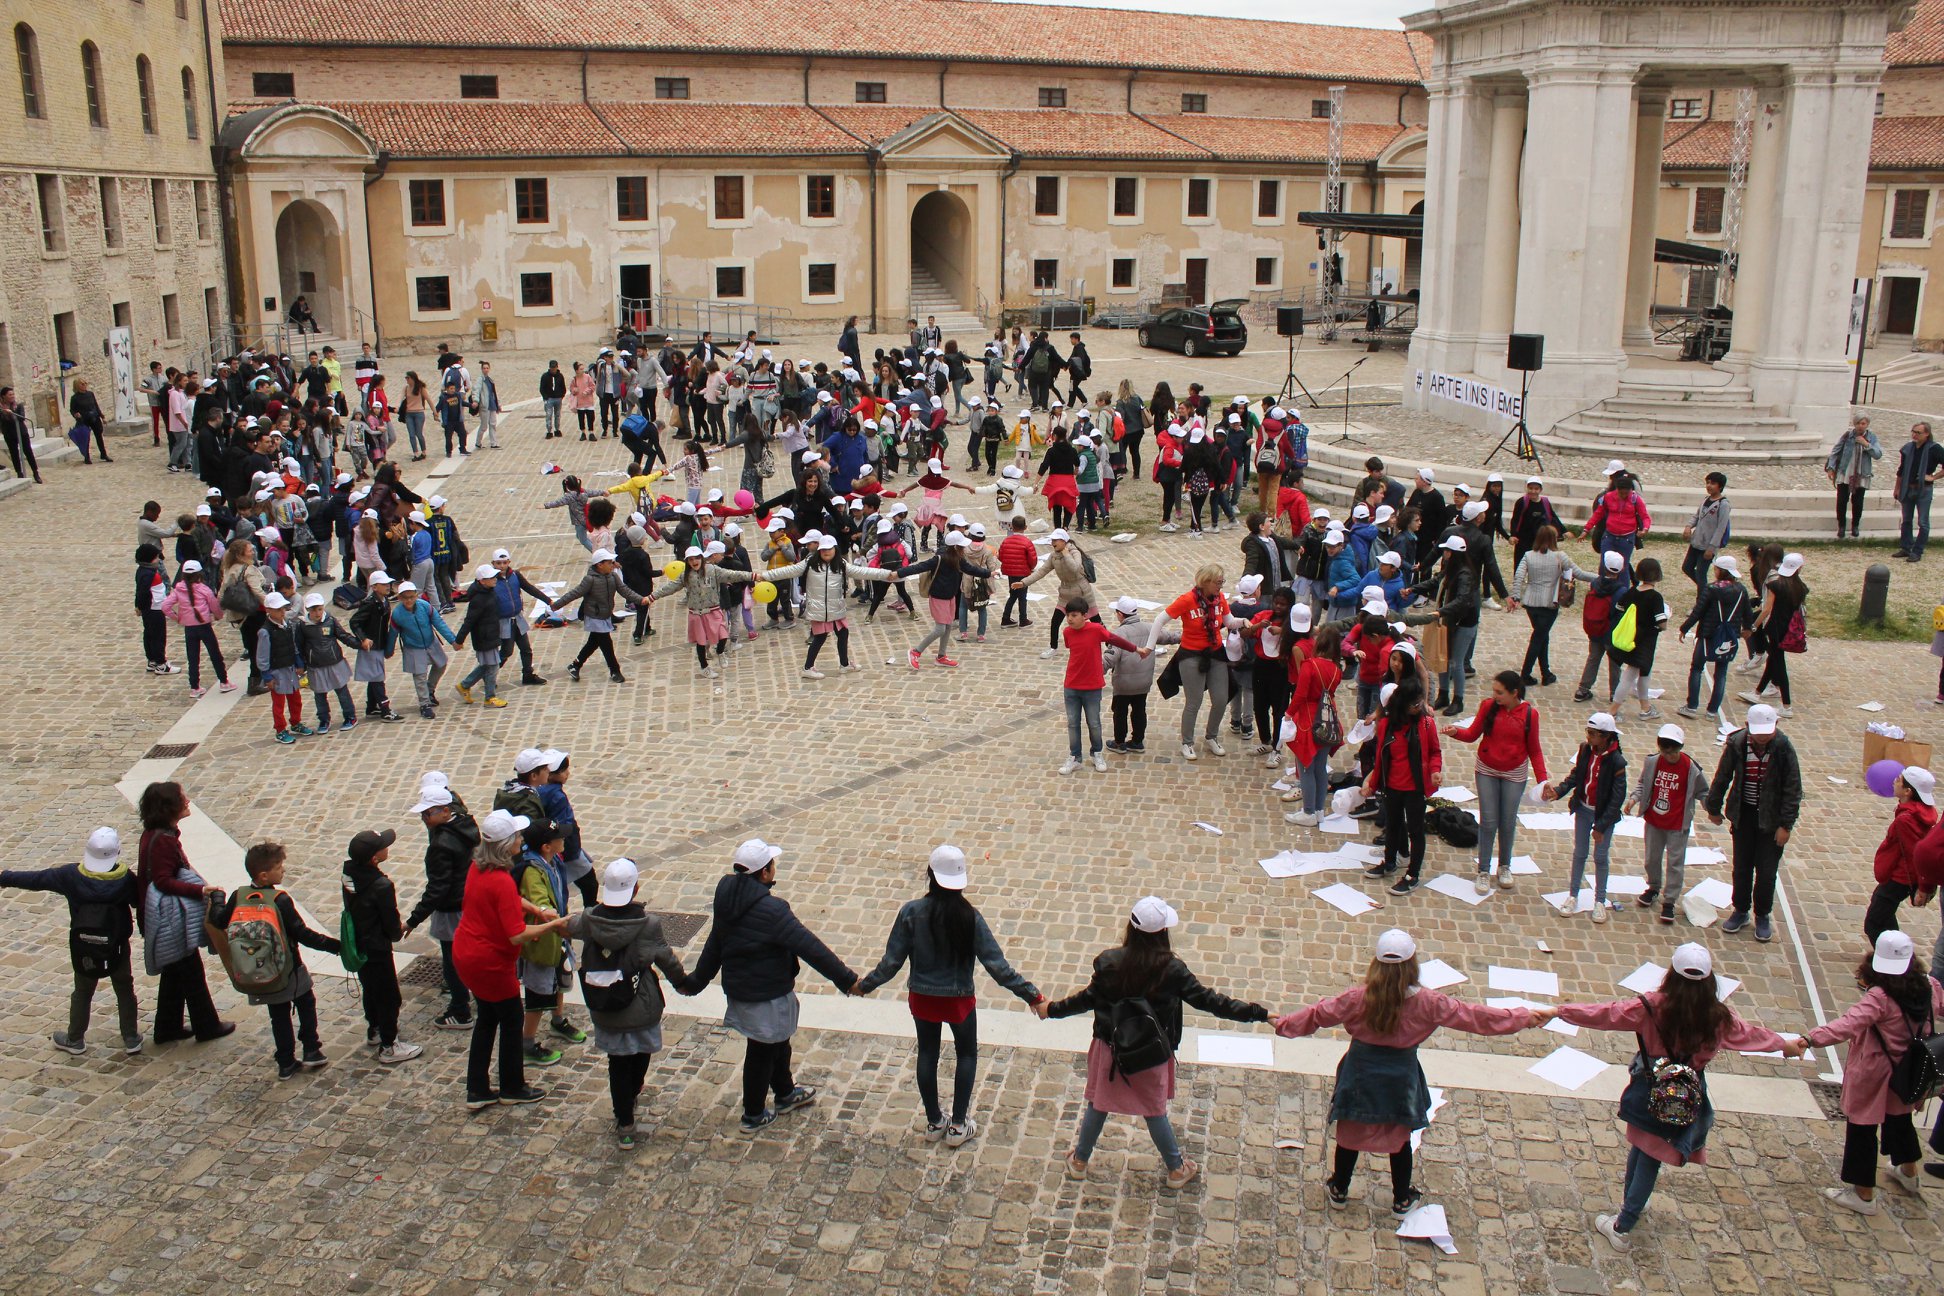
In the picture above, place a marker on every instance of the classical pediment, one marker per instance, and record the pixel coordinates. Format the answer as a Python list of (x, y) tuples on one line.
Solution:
[(944, 136)]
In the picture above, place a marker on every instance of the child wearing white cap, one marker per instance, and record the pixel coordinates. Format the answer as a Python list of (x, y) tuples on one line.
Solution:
[(596, 592), (946, 576), (323, 641), (1721, 613), (1136, 1076), (482, 625), (1681, 1027), (931, 514), (371, 626), (280, 659), (1671, 785), (101, 894), (1598, 788), (701, 583), (1758, 787), (418, 628), (1897, 876), (1381, 1097)]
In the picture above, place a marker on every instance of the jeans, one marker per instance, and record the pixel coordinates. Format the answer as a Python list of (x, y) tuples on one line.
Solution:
[(1662, 841), (1404, 828), (766, 1069), (378, 986), (1599, 650), (1602, 850), (1462, 639), (1916, 519), (1900, 1148), (1093, 1120), (1498, 818), (415, 431), (454, 430), (483, 674), (1701, 663), (498, 1021), (323, 701), (488, 429), (1241, 708), (627, 1072), (127, 1010), (1881, 916), (1314, 778), (551, 408), (1082, 702), (458, 999), (1539, 644), (1757, 861), (1130, 719), (1642, 1173), (305, 1032), (965, 617), (965, 1047), (519, 642), (1201, 674)]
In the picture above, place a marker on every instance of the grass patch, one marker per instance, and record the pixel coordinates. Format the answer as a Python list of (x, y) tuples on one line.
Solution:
[(1899, 625)]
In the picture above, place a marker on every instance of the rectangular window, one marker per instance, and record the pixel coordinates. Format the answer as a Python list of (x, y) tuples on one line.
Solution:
[(1320, 108), (731, 281), (1194, 103), (536, 290), (200, 194), (1268, 199), (1052, 96), (124, 315), (1701, 283), (530, 200), (820, 279), (67, 338), (111, 216), (870, 92), (171, 317), (631, 198), (1127, 196), (428, 202), (1046, 272), (671, 87), (1879, 103), (1910, 214), (52, 218), (1046, 195), (434, 293), (1684, 109), (1199, 192), (273, 85), (1708, 200), (478, 86), (820, 197), (1123, 272), (1265, 272), (159, 207), (729, 199)]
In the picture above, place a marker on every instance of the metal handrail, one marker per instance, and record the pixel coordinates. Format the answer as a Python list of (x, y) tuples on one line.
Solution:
[(697, 315)]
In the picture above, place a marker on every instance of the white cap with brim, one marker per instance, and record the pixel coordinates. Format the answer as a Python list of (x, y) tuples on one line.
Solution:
[(1693, 961), (1761, 719), (313, 599), (406, 587), (275, 600), (1725, 562), (1390, 558), (430, 798), (755, 855), (528, 760), (1456, 544), (1612, 560), (485, 571), (102, 852), (618, 882), (1602, 722), (189, 568), (1153, 914), (1673, 733), (1126, 606), (1894, 950), (378, 578), (1299, 618), (601, 556), (1384, 694), (947, 864), (1922, 782), (1396, 946), (501, 825)]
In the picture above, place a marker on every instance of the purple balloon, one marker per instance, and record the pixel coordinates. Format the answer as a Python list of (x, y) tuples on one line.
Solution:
[(1882, 777)]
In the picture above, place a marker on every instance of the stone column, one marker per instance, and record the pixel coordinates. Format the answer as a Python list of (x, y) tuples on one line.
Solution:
[(1499, 276), (1456, 165), (1756, 260), (1649, 129)]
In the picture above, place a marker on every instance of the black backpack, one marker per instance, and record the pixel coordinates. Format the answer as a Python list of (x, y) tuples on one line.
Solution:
[(1920, 1071), (1450, 824), (98, 936), (347, 596), (617, 991), (1136, 1037)]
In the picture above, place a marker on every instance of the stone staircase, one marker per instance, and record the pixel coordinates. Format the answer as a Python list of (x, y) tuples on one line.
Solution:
[(1674, 419), (930, 297), (49, 449)]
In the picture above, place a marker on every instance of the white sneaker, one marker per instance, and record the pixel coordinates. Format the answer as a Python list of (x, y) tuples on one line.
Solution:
[(1272, 760), (1069, 765), (1505, 880), (1599, 911), (1749, 696), (852, 667), (1773, 690), (707, 672), (1908, 1182), (1303, 818), (812, 674), (1484, 886), (399, 1051), (1215, 747), (1847, 1197), (1169, 526), (1100, 762), (1049, 653), (1188, 751), (960, 1135), (1493, 604), (1603, 1225)]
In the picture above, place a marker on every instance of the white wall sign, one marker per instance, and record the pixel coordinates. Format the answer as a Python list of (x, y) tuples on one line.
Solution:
[(1859, 310), (121, 359), (1461, 390)]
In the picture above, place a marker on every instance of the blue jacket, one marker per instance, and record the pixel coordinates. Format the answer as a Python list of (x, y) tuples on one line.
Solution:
[(561, 811), (508, 593), (1393, 589), (1346, 578), (847, 455), (421, 546), (1361, 536), (417, 624)]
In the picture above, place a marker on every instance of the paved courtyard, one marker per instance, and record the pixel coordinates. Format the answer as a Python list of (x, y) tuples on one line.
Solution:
[(191, 1166)]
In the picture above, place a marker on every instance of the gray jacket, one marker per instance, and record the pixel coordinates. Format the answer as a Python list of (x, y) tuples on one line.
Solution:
[(1536, 582), (597, 592), (1697, 787), (1133, 674), (932, 971), (638, 935), (1711, 524), (823, 585)]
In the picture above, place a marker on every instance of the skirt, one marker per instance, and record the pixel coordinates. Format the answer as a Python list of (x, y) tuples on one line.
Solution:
[(488, 656), (420, 661), (282, 680), (1145, 1093), (826, 627), (329, 679), (707, 627), (370, 668), (1062, 491)]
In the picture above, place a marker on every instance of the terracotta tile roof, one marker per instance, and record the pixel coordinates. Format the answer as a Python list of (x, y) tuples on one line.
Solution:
[(1896, 144), (712, 129), (923, 29), (469, 128), (1301, 140), (1046, 134), (1922, 39)]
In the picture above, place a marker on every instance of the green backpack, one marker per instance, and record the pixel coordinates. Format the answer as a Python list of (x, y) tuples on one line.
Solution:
[(348, 951)]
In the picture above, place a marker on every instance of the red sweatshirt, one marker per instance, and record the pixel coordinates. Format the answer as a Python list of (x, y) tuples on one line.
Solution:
[(1017, 557), (1896, 856), (1511, 740), (1376, 659), (1084, 642), (1394, 768)]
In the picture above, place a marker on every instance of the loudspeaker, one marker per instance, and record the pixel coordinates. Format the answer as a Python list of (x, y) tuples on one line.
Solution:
[(1525, 351), (1289, 321)]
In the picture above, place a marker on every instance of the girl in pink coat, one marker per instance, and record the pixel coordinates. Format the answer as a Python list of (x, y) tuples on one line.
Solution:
[(1381, 1095), (1899, 1001), (193, 606), (1684, 1021)]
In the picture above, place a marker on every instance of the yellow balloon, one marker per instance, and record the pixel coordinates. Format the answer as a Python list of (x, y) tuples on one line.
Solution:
[(765, 591), (674, 570)]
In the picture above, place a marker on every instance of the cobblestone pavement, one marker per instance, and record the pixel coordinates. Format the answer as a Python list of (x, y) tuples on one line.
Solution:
[(192, 1165)]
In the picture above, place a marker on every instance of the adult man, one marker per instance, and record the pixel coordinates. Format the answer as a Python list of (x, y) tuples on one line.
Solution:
[(755, 942), (1079, 368), (553, 390), (934, 336), (1429, 502), (1707, 531), (610, 382), (486, 397), (1759, 783), (156, 384), (704, 348), (1919, 464), (1043, 365), (315, 378), (363, 370)]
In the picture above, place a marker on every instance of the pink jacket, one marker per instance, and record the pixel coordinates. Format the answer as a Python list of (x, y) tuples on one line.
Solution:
[(580, 391), (1423, 1013), (1866, 1069), (191, 603)]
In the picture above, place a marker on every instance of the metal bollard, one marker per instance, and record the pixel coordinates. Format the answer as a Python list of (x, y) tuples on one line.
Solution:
[(1876, 592)]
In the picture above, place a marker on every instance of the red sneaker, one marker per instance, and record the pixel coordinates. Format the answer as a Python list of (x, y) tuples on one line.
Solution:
[(916, 658), (946, 661)]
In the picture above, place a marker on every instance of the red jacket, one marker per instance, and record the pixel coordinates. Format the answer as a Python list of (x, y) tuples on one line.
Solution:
[(1511, 741), (1017, 557), (1393, 768), (1927, 857), (1376, 657), (1084, 642), (1313, 678), (1896, 856), (1622, 517)]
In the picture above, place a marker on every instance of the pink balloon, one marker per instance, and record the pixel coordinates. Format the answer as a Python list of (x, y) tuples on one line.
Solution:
[(1882, 777), (744, 499)]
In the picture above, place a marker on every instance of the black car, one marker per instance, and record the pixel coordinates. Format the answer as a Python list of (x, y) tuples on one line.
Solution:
[(1216, 329)]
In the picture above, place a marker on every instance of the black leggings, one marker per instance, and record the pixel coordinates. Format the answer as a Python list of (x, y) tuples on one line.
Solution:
[(496, 1021), (377, 701), (602, 640), (1170, 498), (1850, 498), (1133, 447), (878, 591), (585, 418), (1061, 515), (1400, 1166), (1776, 671), (817, 643), (1403, 813), (1271, 690), (626, 1074), (766, 1069), (1539, 645), (965, 1044), (1197, 500)]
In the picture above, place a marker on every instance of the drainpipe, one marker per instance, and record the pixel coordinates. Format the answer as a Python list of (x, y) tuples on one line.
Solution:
[(1005, 177), (1132, 74), (871, 166), (377, 174), (943, 67), (1402, 96)]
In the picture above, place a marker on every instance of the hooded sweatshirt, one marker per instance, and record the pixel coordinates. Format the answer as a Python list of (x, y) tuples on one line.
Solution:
[(637, 935), (755, 943)]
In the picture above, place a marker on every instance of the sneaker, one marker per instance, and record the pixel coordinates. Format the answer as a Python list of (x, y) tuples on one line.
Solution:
[(1136, 749), (68, 1045), (465, 693), (198, 692), (751, 1124), (1667, 912), (1600, 908), (934, 1131), (947, 661), (427, 713), (1910, 1183), (1047, 654), (1734, 922), (624, 1136), (1116, 747), (1273, 760), (852, 667), (959, 1135), (313, 1060), (1188, 752), (371, 1037), (1505, 879), (1647, 898), (390, 716), (524, 1094), (481, 1101), (1402, 1206), (131, 1044), (1303, 818), (1404, 885), (399, 1051), (449, 1022), (286, 737), (166, 668), (348, 725), (801, 1096), (1099, 763), (532, 679), (707, 672), (573, 672), (1169, 527), (1069, 765), (1764, 930), (285, 1070), (1378, 870), (1215, 747), (1484, 886), (1262, 749), (1606, 1227), (566, 1029), (1687, 711), (1651, 713), (914, 659), (809, 674), (1183, 1175), (1847, 1197), (1076, 1169), (1339, 1195), (1583, 695), (500, 701), (538, 1054)]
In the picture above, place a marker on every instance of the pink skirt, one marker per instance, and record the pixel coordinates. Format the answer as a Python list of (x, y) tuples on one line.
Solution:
[(826, 627), (1063, 490), (1145, 1093), (930, 511), (1359, 1137), (943, 610), (707, 627)]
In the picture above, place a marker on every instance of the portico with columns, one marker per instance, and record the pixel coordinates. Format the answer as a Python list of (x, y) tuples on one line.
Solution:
[(1547, 120)]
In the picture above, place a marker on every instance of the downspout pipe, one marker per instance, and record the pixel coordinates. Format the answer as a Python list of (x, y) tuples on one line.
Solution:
[(1005, 186), (219, 157), (871, 157), (377, 174)]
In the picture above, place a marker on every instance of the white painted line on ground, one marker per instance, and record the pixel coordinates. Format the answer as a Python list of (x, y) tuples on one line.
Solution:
[(1835, 1073)]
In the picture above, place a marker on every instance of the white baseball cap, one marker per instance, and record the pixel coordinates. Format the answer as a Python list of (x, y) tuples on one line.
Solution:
[(732, 530), (202, 510), (485, 571), (1383, 514), (1693, 961), (378, 578), (618, 882), (102, 851), (1922, 782), (1673, 733), (1248, 585), (977, 531), (502, 824), (1390, 558), (1153, 914), (1058, 533), (1790, 565), (405, 587), (1406, 646), (269, 533), (1360, 513), (1333, 536), (528, 760), (1495, 477), (601, 556), (1427, 474), (1474, 509), (1396, 946), (775, 524), (502, 555), (1376, 607), (1761, 719), (1603, 722), (948, 866), (1726, 562), (275, 600), (313, 599), (437, 502), (823, 541), (1894, 950), (1462, 488), (957, 520), (715, 547), (431, 797), (1299, 618), (1012, 472), (1125, 605), (189, 568), (1384, 694), (755, 855), (1612, 560), (693, 551), (956, 541), (1454, 543), (1613, 466)]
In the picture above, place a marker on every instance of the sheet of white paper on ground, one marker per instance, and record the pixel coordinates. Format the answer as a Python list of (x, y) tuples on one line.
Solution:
[(1703, 856), (1231, 1049), (1462, 889), (1456, 795), (1715, 891), (1032, 597), (1281, 786), (1834, 779), (1630, 826), (1725, 986), (1618, 885), (1557, 899), (1653, 693), (1279, 866), (1437, 974), (1523, 981), (1559, 1027), (1347, 898), (1871, 706), (1523, 866), (1361, 853), (1208, 827), (1343, 824), (1547, 822), (1567, 1067), (1648, 976), (1428, 1223), (1123, 537)]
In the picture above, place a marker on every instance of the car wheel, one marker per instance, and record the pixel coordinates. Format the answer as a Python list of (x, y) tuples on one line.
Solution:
[(1142, 338), (1188, 346)]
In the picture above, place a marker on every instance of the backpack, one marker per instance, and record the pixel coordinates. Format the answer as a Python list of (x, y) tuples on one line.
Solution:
[(349, 954), (1451, 825), (258, 954), (96, 942), (1626, 628), (1269, 457), (1087, 565), (1795, 639), (237, 596), (1726, 636), (1919, 1073), (1596, 614), (606, 986), (1327, 730), (1675, 1090), (1136, 1038), (347, 596)]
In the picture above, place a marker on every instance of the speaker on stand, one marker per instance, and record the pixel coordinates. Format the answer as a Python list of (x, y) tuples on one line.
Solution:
[(1525, 352), (1289, 324)]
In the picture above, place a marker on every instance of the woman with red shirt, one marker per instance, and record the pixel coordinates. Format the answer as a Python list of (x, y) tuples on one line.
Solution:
[(171, 906), (1204, 616), (1406, 770), (1506, 730), (1315, 678), (485, 952)]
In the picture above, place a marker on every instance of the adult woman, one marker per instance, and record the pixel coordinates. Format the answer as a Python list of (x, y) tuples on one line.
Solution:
[(582, 397), (678, 400), (1161, 406), (1684, 1022), (1143, 966), (85, 410), (755, 445), (1067, 563), (171, 906), (413, 406), (1381, 1096), (764, 389), (1536, 586), (1899, 1000), (1201, 473), (715, 397), (1456, 587), (1506, 730), (1848, 467), (825, 597), (940, 934), (794, 394), (1776, 627), (1135, 420), (1316, 674), (485, 952), (239, 573), (1201, 663), (1405, 766)]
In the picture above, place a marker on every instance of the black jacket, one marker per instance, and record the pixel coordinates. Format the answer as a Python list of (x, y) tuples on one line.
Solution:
[(1178, 985), (553, 385), (371, 620), (448, 856), (372, 901), (1780, 799), (755, 942), (638, 569), (1431, 506), (94, 901), (481, 622), (1609, 784)]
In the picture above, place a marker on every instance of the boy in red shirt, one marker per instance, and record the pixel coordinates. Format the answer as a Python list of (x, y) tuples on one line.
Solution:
[(1017, 558), (1085, 678), (1896, 865), (1671, 785)]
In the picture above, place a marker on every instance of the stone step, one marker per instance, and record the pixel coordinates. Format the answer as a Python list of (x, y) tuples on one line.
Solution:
[(47, 452), (1691, 440), (1655, 404), (1682, 387), (1688, 421)]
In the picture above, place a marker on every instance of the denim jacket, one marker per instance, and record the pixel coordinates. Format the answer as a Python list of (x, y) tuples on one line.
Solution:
[(931, 973)]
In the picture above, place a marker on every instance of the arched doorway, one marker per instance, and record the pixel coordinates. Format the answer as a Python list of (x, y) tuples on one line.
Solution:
[(1413, 257), (310, 262), (941, 253)]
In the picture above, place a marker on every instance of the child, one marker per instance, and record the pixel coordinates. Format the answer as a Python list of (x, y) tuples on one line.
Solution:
[(100, 893), (1133, 676), (888, 553), (419, 628), (1370, 641), (1407, 765), (574, 500), (1017, 558), (1598, 784), (931, 517), (780, 551), (1897, 877), (1671, 785), (280, 656), (597, 591), (151, 593), (575, 866), (691, 467), (546, 962), (450, 838), (371, 627), (1085, 678), (1636, 654), (978, 593), (482, 624), (372, 904), (322, 641), (445, 551), (734, 600), (265, 864)]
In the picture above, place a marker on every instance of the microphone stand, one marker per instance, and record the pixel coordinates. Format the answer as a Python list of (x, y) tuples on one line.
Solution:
[(1343, 378)]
